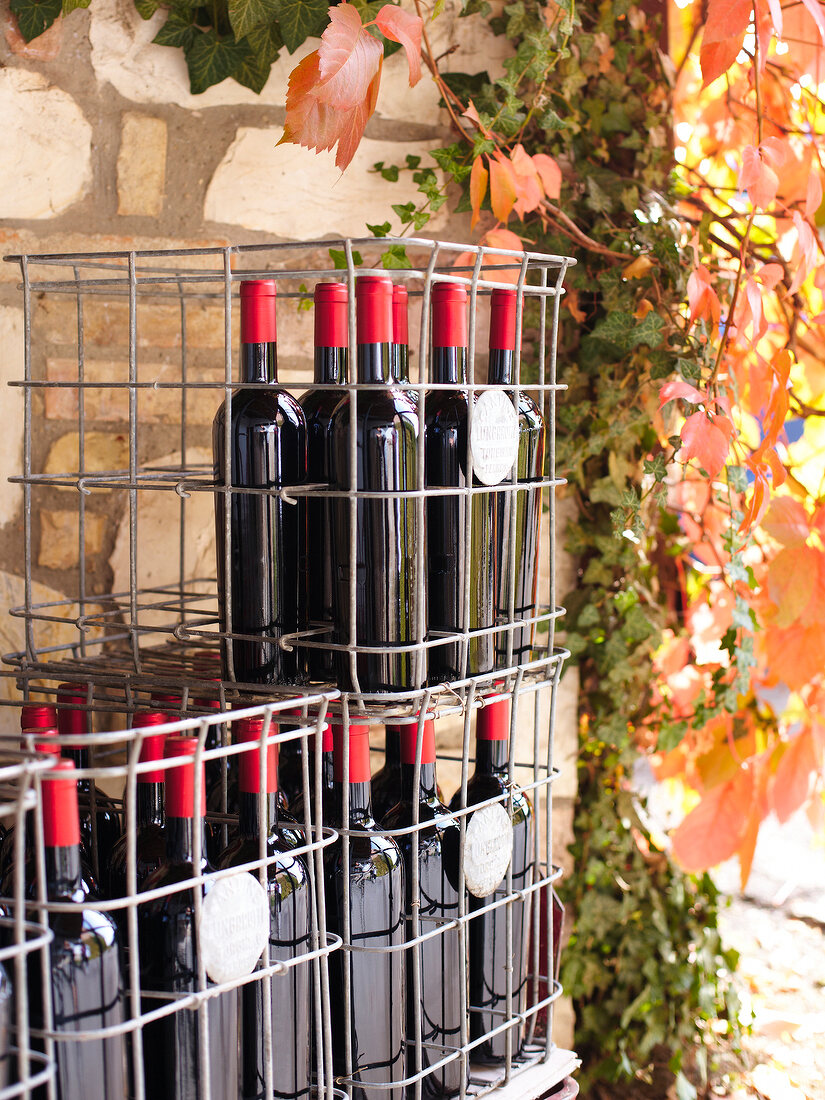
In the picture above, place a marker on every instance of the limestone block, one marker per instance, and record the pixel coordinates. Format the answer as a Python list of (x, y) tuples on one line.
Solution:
[(158, 530), (60, 537), (106, 323), (141, 165), (47, 165), (300, 195), (46, 634), (11, 367), (45, 47), (103, 451)]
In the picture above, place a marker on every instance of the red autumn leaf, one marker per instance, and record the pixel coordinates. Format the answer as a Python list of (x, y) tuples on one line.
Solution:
[(332, 93), (804, 257), (787, 521), (404, 27), (792, 576), (503, 186), (813, 198), (478, 188), (795, 777), (530, 192), (815, 8), (702, 298), (671, 390), (770, 274), (759, 499), (707, 440), (757, 177), (549, 174), (775, 8), (747, 847), (495, 238), (796, 655), (723, 36), (714, 829)]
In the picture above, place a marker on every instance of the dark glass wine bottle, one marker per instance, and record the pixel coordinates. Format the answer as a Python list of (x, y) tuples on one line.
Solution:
[(149, 837), (291, 757), (386, 783), (268, 451), (6, 1012), (297, 808), (387, 541), (169, 957), (318, 579), (445, 442), (439, 957), (86, 980), (376, 897), (288, 889), (488, 844), (517, 556), (74, 722), (400, 351), (34, 718)]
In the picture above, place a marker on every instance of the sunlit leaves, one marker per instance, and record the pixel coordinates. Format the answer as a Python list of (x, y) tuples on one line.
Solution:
[(713, 830), (478, 188), (404, 27), (723, 36)]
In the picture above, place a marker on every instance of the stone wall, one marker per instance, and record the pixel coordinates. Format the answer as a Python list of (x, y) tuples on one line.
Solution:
[(106, 150)]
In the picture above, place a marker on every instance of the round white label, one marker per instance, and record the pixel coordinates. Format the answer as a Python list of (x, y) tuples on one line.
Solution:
[(494, 437), (488, 847), (233, 927)]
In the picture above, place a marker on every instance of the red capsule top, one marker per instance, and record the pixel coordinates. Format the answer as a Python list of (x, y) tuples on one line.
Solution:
[(69, 720), (152, 747), (449, 316), (249, 768), (258, 311), (503, 320), (331, 330), (50, 747), (61, 825), (180, 782), (359, 753), (409, 740), (326, 737), (373, 301), (400, 323), (38, 716), (493, 721)]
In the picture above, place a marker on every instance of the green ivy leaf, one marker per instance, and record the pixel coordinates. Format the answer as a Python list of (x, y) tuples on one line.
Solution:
[(211, 58), (178, 30), (396, 257), (146, 8), (35, 16), (265, 42), (379, 230), (339, 258), (253, 71), (657, 466), (301, 19), (72, 5), (244, 15)]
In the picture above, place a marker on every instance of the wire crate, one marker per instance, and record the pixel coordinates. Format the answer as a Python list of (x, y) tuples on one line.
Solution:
[(156, 626)]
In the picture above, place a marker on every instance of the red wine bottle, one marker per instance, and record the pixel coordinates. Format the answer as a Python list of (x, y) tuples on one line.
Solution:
[(168, 941), (376, 899), (35, 718), (101, 831), (387, 537), (494, 841), (84, 957), (322, 813), (438, 858), (288, 890), (445, 464), (268, 451), (386, 783), (318, 579), (517, 555), (291, 757), (400, 351), (6, 1011), (149, 837)]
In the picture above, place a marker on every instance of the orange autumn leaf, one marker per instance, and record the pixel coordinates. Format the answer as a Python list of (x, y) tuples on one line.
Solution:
[(495, 238), (724, 34), (673, 390), (793, 582), (478, 188), (714, 829), (757, 177), (795, 776), (406, 28), (796, 655), (530, 192), (348, 59), (707, 439), (549, 174), (702, 298), (759, 499), (503, 186), (787, 521)]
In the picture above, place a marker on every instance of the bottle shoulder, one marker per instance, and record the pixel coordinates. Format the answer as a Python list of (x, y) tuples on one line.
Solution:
[(262, 406)]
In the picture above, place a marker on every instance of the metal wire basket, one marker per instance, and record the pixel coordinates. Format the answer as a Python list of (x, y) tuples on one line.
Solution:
[(150, 633)]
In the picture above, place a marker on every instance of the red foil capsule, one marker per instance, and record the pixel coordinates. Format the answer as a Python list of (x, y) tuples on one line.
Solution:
[(503, 320), (258, 325), (180, 782), (69, 720), (449, 303), (373, 295), (331, 329), (249, 767), (493, 721), (38, 716), (61, 825), (359, 753), (153, 746), (400, 324), (409, 740)]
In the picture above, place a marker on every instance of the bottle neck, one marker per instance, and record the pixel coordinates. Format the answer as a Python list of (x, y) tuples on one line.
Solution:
[(426, 784), (360, 804), (330, 366), (63, 876), (492, 757), (249, 818), (501, 369), (180, 839), (259, 362), (374, 363), (400, 362), (392, 747), (449, 364), (149, 804)]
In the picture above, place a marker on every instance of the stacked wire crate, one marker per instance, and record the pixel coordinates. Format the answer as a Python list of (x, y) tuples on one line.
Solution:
[(156, 633)]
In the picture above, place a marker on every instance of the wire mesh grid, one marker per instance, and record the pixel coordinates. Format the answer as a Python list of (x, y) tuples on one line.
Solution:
[(163, 632)]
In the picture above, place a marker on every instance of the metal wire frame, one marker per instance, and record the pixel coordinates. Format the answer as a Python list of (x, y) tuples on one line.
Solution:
[(22, 940), (111, 653)]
